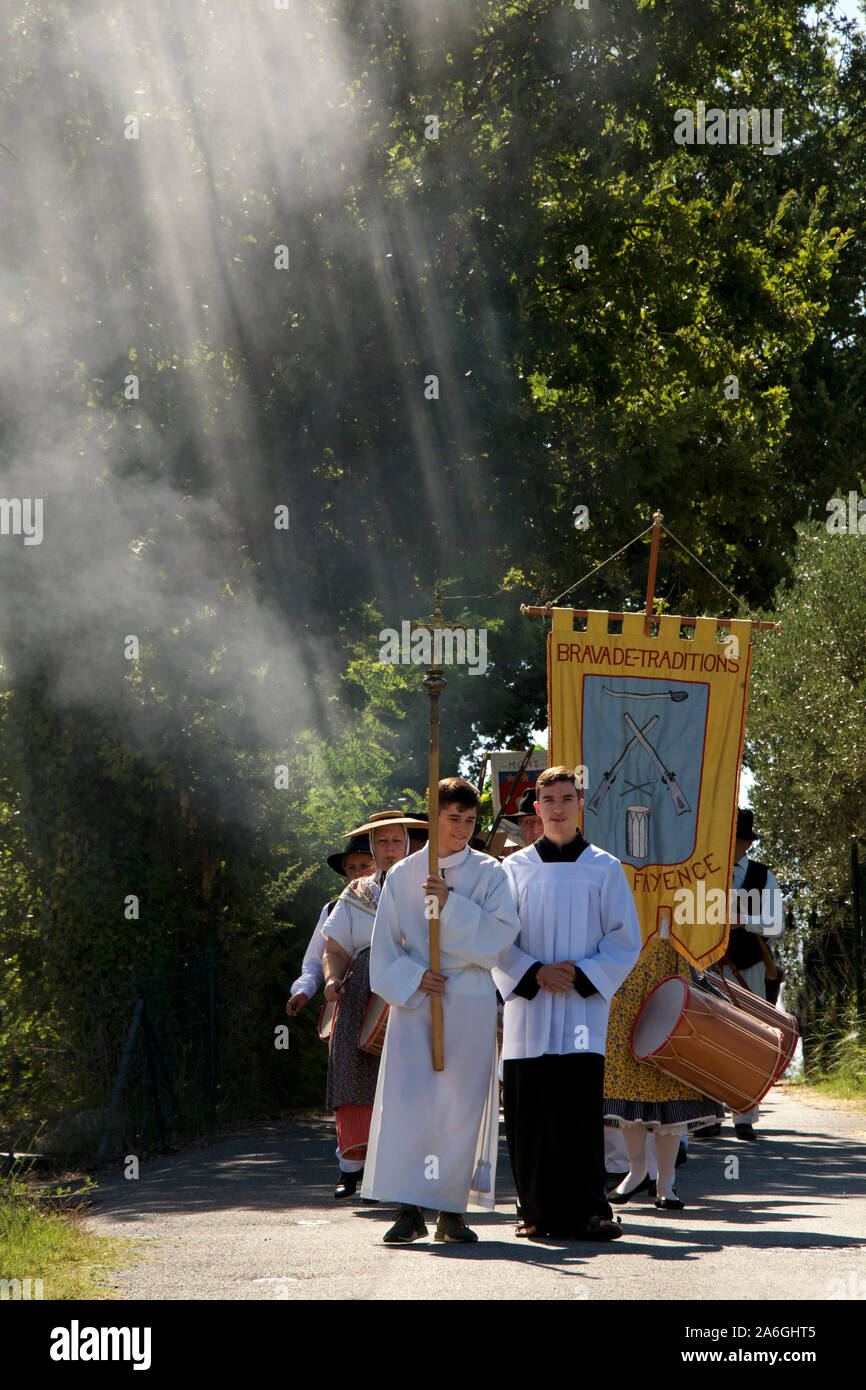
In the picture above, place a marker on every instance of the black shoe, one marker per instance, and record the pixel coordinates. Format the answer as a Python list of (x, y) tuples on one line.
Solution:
[(612, 1180), (348, 1184), (682, 1154), (618, 1199), (708, 1132), (408, 1226), (745, 1132), (451, 1226), (669, 1203)]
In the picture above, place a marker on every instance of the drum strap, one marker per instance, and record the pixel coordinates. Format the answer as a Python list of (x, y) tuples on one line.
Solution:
[(771, 969), (726, 960), (701, 980)]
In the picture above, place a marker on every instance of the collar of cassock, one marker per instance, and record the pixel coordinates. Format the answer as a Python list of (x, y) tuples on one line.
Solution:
[(561, 854), (452, 861)]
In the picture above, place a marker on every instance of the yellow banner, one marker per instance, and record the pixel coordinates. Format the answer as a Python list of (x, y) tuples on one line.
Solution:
[(657, 724)]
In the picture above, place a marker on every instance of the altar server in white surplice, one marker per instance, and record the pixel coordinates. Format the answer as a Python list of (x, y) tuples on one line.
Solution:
[(434, 1134), (579, 939)]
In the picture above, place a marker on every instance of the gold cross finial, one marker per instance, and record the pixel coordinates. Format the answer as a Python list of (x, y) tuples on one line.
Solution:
[(435, 623)]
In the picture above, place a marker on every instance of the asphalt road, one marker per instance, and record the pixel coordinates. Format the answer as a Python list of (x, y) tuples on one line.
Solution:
[(253, 1217)]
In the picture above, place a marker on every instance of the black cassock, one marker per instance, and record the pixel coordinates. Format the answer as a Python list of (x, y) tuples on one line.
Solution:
[(554, 1127), (554, 1115)]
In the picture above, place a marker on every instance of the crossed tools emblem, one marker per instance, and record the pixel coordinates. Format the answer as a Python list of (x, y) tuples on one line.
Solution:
[(639, 738)]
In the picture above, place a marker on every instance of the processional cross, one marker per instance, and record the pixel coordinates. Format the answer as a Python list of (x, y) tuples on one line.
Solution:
[(434, 684)]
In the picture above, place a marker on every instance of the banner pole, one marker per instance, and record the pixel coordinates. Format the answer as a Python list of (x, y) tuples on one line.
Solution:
[(651, 578)]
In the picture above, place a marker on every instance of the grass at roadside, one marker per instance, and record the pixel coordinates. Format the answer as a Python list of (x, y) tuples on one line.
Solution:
[(849, 1095), (40, 1242), (837, 1061)]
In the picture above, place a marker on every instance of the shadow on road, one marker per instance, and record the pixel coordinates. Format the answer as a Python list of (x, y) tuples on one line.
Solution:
[(291, 1167)]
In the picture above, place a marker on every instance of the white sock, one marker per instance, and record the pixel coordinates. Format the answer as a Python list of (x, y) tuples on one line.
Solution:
[(634, 1137), (667, 1146)]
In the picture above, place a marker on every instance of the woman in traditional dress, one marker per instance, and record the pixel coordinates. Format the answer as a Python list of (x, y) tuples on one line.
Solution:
[(638, 1096), (352, 1073), (354, 860)]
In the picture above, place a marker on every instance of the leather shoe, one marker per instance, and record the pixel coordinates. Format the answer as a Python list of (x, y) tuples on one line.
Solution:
[(348, 1184), (707, 1132), (745, 1132), (668, 1203), (618, 1199)]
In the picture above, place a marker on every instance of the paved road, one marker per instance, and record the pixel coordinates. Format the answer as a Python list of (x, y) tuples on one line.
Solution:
[(252, 1217)]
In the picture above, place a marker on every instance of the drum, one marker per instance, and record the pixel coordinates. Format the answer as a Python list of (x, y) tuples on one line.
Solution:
[(707, 1043), (761, 1008), (637, 832), (371, 1034), (326, 1019)]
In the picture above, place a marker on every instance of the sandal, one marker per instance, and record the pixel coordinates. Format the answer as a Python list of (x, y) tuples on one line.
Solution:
[(524, 1233), (596, 1231)]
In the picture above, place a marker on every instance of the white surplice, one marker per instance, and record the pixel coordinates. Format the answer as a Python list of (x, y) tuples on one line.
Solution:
[(434, 1135), (583, 912)]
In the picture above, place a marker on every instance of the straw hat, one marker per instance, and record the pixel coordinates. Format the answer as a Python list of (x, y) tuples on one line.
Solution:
[(388, 818)]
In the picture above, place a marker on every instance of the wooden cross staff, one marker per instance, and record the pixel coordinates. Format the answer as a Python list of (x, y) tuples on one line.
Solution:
[(434, 684)]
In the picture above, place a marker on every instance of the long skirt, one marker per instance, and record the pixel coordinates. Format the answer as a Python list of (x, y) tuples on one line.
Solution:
[(553, 1124), (638, 1091), (352, 1074)]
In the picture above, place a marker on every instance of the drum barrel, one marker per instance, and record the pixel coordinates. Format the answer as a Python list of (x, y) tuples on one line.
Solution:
[(714, 1047)]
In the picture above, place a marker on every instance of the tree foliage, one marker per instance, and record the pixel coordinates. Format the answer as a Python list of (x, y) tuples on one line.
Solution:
[(558, 384), (806, 730)]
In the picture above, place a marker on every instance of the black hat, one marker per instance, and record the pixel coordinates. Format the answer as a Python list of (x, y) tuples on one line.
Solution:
[(359, 845), (746, 824), (417, 832), (526, 805)]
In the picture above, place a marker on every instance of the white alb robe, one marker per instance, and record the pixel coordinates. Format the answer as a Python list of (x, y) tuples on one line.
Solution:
[(434, 1135), (583, 912)]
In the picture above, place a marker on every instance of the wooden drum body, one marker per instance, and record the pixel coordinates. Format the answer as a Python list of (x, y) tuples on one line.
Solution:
[(326, 1019), (761, 1008), (708, 1044), (371, 1034)]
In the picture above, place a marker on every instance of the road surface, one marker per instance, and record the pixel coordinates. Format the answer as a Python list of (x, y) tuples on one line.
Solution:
[(253, 1217)]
